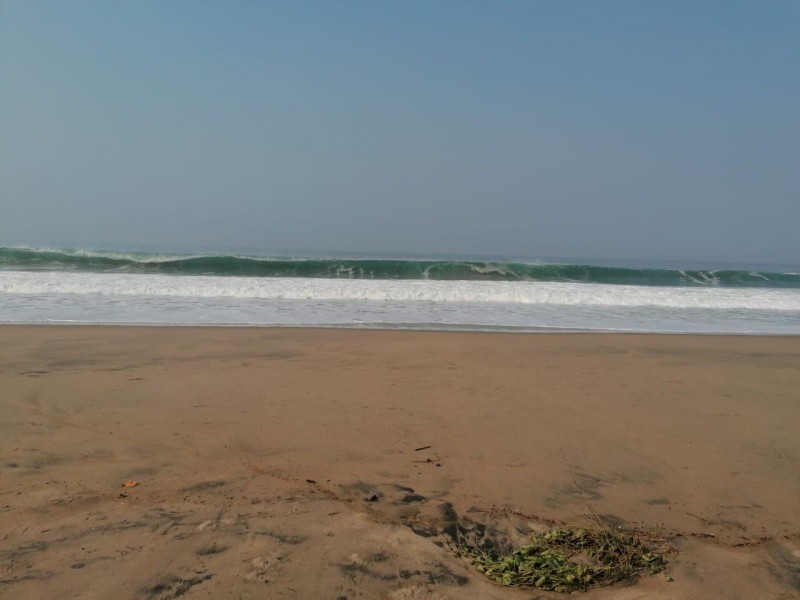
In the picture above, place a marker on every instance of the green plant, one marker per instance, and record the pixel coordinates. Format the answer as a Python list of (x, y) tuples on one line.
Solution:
[(567, 560)]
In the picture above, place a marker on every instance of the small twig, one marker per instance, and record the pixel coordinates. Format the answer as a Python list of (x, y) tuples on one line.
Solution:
[(706, 521), (422, 448), (589, 510)]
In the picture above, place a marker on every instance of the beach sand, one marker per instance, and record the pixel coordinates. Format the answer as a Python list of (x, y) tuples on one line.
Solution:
[(283, 463)]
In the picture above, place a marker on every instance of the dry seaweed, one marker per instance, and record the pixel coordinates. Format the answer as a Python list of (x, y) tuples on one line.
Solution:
[(566, 560)]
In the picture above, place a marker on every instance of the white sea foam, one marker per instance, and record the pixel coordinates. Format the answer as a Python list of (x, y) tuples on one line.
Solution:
[(473, 292)]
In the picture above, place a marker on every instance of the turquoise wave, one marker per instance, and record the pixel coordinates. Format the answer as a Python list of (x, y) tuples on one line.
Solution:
[(35, 259)]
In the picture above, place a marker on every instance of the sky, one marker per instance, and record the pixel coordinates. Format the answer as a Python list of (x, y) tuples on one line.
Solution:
[(618, 129)]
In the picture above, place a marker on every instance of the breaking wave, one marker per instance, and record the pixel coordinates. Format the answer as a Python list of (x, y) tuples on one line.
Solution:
[(382, 269)]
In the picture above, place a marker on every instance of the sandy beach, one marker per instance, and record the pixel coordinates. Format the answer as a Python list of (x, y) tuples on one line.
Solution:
[(312, 463)]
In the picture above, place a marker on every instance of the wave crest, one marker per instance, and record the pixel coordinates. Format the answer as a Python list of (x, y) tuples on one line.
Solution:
[(436, 270)]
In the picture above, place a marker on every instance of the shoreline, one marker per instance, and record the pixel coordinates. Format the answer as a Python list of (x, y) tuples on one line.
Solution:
[(489, 329), (261, 454)]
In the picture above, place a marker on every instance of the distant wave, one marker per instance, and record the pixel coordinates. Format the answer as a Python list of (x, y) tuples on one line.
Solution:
[(437, 270)]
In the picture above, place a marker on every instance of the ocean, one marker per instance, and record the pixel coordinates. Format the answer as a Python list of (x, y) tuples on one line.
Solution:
[(158, 288)]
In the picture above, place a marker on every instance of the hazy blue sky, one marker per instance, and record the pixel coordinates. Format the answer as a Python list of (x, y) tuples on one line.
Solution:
[(635, 129)]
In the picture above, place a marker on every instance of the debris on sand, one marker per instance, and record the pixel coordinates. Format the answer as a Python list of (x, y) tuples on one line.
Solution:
[(566, 560)]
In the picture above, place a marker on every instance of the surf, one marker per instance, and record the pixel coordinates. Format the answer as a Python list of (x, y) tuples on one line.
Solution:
[(34, 259), (480, 292)]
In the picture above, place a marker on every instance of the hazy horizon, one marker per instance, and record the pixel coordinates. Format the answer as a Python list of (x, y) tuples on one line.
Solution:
[(619, 131)]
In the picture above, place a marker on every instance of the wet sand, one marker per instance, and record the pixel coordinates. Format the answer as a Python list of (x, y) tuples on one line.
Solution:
[(283, 463)]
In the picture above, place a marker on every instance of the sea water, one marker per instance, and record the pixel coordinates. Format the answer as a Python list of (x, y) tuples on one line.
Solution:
[(58, 286)]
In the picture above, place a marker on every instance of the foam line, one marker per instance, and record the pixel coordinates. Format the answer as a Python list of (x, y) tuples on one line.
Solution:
[(299, 289)]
